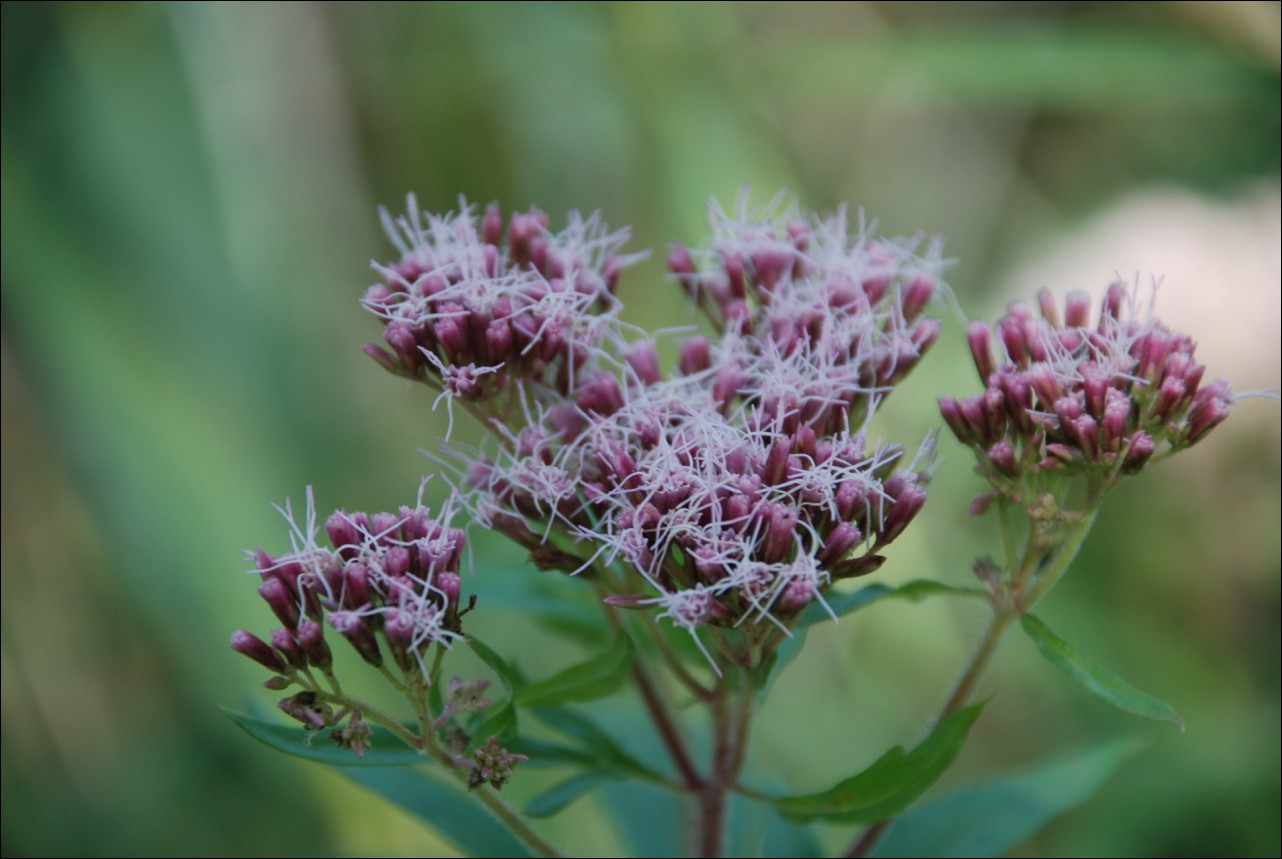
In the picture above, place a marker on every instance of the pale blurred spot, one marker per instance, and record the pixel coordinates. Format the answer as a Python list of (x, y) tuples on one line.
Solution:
[(1219, 264)]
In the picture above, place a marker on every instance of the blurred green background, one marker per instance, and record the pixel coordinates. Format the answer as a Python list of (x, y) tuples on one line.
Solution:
[(189, 196)]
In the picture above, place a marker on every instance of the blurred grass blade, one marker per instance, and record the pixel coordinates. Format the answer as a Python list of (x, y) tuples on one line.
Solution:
[(445, 807), (893, 781), (995, 817), (1095, 678), (560, 796), (914, 591), (385, 749), (587, 681)]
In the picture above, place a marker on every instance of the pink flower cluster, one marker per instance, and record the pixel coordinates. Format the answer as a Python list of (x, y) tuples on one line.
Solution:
[(462, 304), (1065, 395), (392, 577), (737, 488)]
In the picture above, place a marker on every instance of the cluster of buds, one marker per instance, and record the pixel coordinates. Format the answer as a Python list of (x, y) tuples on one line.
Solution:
[(472, 305), (738, 488), (388, 583), (492, 764), (778, 284), (1067, 396)]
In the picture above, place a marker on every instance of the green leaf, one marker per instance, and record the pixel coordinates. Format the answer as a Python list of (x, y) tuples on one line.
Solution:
[(499, 721), (1096, 678), (386, 750), (846, 602), (601, 748), (891, 784), (544, 754), (647, 819), (992, 818), (786, 839), (446, 807), (559, 797), (587, 681), (510, 677)]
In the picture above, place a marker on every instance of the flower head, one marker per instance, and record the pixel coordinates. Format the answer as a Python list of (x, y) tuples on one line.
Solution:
[(1064, 394)]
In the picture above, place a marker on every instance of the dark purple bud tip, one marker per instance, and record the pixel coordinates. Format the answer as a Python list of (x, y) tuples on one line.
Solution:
[(312, 639), (1138, 452), (256, 649), (282, 601), (679, 261), (285, 643), (1002, 457)]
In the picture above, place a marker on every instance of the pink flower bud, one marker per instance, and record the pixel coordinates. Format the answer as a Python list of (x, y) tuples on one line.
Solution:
[(841, 539), (679, 261), (283, 641), (644, 360), (256, 649), (951, 412), (492, 224), (1114, 300), (343, 534), (694, 357), (282, 601), (1050, 312), (311, 639), (1077, 310), (356, 592), (1002, 457), (353, 627), (1138, 451), (981, 349)]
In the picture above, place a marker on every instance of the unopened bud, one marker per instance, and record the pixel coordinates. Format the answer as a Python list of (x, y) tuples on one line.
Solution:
[(256, 649)]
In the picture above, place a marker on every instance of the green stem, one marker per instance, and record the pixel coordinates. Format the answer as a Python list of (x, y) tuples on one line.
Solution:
[(491, 800), (1026, 593)]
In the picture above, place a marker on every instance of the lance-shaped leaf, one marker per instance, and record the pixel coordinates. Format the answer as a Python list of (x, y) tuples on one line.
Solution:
[(447, 808), (914, 591), (562, 794), (1096, 678), (892, 783), (386, 750), (587, 681), (994, 817)]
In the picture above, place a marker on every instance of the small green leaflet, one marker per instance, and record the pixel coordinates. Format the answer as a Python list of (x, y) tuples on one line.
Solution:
[(587, 681), (445, 807), (994, 817), (914, 591), (561, 795), (1096, 678), (893, 781)]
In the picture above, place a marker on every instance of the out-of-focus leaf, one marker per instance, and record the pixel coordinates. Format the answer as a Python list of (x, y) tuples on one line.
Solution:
[(560, 796), (891, 784), (587, 681), (508, 674), (544, 754), (385, 749), (1096, 678), (785, 839), (447, 808), (914, 591), (602, 748), (992, 818), (649, 820), (499, 721)]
